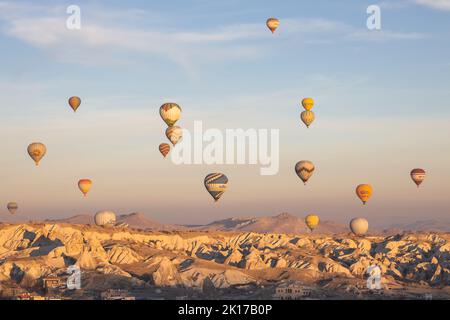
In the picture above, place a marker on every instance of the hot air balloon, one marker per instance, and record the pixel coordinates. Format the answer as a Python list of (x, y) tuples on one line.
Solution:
[(307, 117), (304, 170), (216, 184), (308, 104), (74, 103), (364, 192), (359, 226), (418, 175), (174, 134), (85, 185), (170, 113), (37, 151), (164, 148), (272, 24), (105, 219), (12, 207), (312, 221)]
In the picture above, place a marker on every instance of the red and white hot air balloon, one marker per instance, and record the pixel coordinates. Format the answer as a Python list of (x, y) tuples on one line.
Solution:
[(418, 175)]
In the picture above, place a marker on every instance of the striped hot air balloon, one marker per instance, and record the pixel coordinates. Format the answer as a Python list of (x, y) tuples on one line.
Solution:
[(216, 184), (307, 117), (85, 185), (418, 175), (74, 103), (174, 134), (37, 151), (170, 113), (272, 24), (164, 148), (304, 169)]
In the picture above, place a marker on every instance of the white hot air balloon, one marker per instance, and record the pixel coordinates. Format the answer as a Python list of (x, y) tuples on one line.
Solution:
[(105, 219), (359, 226)]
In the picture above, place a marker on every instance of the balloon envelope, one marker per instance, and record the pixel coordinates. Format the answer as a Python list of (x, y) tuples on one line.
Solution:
[(272, 24), (85, 185), (418, 176), (304, 170), (308, 104), (105, 218), (37, 151), (364, 192), (307, 117), (74, 103), (170, 113), (164, 148), (174, 134), (12, 207), (312, 221), (359, 226), (216, 184)]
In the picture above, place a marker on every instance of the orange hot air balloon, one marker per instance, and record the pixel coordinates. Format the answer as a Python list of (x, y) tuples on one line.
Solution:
[(164, 148), (272, 24), (418, 175), (74, 103), (85, 185), (364, 192)]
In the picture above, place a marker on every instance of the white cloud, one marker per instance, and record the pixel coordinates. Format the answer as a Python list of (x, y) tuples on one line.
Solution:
[(435, 4)]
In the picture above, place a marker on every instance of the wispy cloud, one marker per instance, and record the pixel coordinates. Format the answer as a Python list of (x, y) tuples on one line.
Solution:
[(435, 4), (102, 42)]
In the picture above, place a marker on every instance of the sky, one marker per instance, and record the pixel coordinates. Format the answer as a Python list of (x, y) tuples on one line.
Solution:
[(381, 106)]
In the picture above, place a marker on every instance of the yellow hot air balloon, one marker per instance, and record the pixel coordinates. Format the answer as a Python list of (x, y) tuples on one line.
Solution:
[(37, 151), (364, 192), (308, 104), (307, 117), (74, 103), (312, 221), (418, 175), (174, 134), (12, 207), (304, 170), (359, 226), (164, 148), (170, 113), (272, 24), (216, 184), (85, 185)]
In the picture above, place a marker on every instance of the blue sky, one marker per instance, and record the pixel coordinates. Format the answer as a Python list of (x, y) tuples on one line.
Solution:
[(381, 102)]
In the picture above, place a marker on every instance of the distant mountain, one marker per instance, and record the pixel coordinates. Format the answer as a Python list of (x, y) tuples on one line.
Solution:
[(424, 226), (141, 221), (282, 223), (133, 220), (78, 219)]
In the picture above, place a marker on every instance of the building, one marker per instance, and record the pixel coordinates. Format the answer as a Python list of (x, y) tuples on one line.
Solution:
[(11, 291), (292, 291), (116, 294), (51, 283)]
